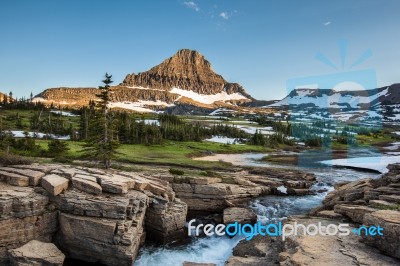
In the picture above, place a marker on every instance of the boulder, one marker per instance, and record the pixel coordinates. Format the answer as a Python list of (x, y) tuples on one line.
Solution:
[(86, 184), (14, 179), (348, 193), (379, 204), (116, 184), (54, 184), (390, 198), (260, 250), (329, 214), (389, 220), (24, 216), (249, 261), (240, 215), (165, 221), (354, 212), (36, 253), (33, 175), (113, 238)]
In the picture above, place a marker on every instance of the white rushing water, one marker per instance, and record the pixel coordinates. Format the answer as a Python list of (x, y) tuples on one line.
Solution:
[(209, 249), (268, 209)]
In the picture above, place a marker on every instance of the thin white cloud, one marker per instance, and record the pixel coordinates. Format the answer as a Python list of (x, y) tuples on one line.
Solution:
[(327, 23), (192, 5), (224, 15)]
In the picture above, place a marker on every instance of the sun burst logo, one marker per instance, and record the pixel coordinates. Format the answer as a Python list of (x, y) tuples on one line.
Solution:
[(340, 80), (342, 97)]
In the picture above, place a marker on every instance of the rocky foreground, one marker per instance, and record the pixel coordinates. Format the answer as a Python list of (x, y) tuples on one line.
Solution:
[(365, 202), (105, 216)]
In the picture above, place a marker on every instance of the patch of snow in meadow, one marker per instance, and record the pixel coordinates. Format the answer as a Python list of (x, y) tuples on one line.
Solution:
[(222, 139), (252, 130), (221, 110), (151, 122), (63, 113), (21, 134)]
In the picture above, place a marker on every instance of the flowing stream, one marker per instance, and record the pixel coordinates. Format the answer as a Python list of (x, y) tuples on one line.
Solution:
[(268, 209)]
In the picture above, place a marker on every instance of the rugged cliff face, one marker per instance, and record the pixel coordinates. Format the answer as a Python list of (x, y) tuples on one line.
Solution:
[(81, 96), (187, 70), (104, 216), (91, 214)]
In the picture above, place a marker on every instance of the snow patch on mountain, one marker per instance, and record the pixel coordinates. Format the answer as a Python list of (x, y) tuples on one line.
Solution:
[(139, 106), (208, 99)]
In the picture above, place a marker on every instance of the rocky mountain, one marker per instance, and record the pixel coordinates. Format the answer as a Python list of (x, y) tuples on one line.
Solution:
[(340, 100), (2, 96), (187, 70), (184, 78)]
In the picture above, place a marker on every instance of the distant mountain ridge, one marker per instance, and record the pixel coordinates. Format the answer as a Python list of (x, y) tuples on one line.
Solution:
[(327, 98), (184, 78)]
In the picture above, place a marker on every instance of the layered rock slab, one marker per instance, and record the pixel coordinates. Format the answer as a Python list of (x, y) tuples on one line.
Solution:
[(108, 233), (165, 221), (24, 216), (36, 253), (389, 220), (240, 215), (104, 224)]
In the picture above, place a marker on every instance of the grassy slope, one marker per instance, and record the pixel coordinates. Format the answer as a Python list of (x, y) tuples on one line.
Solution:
[(9, 119), (177, 153), (169, 153)]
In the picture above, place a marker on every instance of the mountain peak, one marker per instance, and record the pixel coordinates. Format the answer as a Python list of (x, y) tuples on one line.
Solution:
[(188, 52), (187, 70), (186, 64), (186, 56)]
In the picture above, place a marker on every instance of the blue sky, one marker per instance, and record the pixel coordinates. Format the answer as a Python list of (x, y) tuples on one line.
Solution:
[(259, 44)]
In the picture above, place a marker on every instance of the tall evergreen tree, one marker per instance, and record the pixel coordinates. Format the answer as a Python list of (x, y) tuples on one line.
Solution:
[(102, 143)]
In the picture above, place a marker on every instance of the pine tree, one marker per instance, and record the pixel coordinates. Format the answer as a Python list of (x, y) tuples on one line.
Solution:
[(102, 143), (57, 148), (10, 97)]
